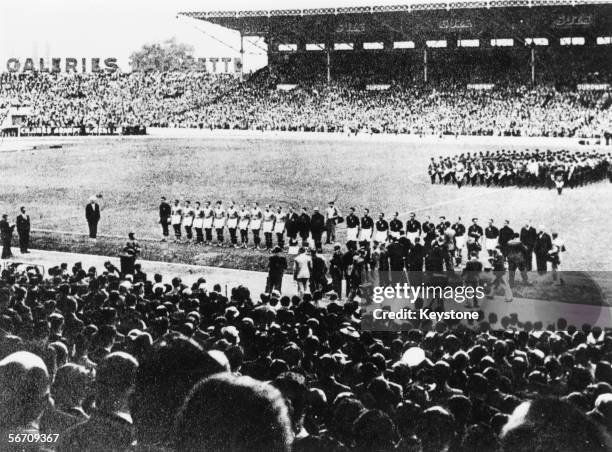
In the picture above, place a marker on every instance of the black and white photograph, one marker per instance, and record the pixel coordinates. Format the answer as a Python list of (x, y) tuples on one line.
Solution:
[(290, 226)]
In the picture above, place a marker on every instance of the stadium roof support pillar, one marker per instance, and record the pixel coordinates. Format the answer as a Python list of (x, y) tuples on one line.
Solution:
[(425, 64), (532, 64), (241, 57), (328, 64)]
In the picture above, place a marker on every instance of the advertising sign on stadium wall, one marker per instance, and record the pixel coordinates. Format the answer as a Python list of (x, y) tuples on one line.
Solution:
[(481, 86), (64, 64), (215, 65), (378, 87), (455, 24), (593, 86), (285, 86), (219, 65), (572, 20)]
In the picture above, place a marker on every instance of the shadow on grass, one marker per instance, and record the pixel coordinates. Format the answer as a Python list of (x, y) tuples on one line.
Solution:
[(179, 253)]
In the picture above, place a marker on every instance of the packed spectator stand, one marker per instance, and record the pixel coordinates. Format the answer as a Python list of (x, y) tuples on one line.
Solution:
[(98, 360), (103, 103)]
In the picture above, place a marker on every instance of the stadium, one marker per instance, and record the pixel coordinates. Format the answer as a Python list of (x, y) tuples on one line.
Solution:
[(456, 144)]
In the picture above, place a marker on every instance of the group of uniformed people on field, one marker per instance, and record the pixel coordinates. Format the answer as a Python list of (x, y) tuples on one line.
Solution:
[(550, 169), (380, 251), (361, 232), (200, 223), (207, 224)]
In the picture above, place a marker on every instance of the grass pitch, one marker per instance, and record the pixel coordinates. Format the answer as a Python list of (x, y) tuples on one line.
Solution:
[(132, 173)]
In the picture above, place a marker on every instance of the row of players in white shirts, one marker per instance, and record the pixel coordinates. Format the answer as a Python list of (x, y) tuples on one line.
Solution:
[(275, 222), (254, 218)]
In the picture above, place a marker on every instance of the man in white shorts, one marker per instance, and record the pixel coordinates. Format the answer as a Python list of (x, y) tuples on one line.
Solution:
[(188, 220), (413, 228), (208, 222), (382, 229), (243, 223), (396, 226), (256, 218), (279, 226), (198, 222), (219, 222), (352, 229), (176, 218), (268, 226), (232, 223), (367, 227)]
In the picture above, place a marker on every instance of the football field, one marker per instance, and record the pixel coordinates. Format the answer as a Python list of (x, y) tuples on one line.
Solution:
[(132, 173)]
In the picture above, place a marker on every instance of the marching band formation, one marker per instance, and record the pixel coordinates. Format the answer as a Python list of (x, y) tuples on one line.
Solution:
[(550, 169)]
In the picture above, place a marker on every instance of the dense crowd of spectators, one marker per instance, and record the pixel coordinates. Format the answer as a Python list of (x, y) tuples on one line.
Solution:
[(98, 361), (64, 103), (112, 100), (451, 110)]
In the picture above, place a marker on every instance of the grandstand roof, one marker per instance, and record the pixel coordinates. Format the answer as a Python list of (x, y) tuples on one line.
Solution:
[(408, 6), (422, 20)]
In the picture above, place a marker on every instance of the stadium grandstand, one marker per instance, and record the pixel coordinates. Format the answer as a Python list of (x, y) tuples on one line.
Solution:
[(474, 41), (496, 68)]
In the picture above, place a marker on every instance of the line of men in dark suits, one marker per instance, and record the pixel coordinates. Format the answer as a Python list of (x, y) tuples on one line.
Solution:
[(22, 223)]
